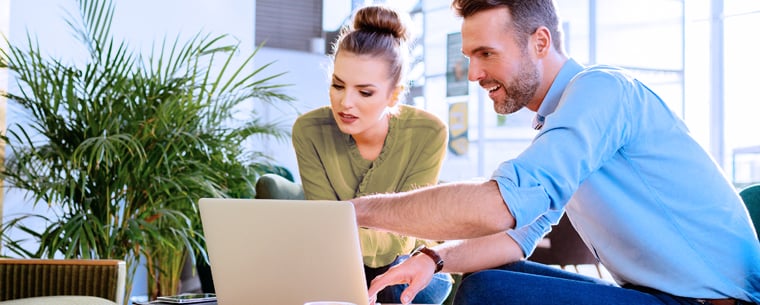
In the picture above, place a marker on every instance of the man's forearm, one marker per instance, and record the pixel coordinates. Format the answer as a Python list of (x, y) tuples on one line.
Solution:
[(479, 253), (441, 212)]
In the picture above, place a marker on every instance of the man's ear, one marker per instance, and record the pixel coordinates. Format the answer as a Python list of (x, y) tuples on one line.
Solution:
[(542, 41)]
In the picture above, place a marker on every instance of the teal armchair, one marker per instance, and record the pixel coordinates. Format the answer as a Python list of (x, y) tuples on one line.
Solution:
[(751, 197)]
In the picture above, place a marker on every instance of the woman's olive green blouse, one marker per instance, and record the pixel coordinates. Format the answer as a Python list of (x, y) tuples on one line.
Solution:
[(331, 167)]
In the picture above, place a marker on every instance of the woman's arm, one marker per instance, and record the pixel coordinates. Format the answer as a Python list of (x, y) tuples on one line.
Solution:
[(316, 184)]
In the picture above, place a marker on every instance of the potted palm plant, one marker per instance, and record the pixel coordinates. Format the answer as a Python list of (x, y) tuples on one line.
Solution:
[(124, 145)]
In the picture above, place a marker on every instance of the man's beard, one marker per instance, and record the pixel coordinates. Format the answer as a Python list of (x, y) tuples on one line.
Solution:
[(520, 90)]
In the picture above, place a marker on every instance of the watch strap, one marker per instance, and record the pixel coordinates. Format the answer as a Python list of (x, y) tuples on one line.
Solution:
[(430, 253)]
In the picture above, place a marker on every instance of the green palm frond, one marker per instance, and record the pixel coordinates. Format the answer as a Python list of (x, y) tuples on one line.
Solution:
[(123, 145)]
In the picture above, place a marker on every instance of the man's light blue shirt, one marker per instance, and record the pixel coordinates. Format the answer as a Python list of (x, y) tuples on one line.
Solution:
[(646, 198)]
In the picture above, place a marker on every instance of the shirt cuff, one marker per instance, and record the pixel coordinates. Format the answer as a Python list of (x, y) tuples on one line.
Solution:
[(526, 204)]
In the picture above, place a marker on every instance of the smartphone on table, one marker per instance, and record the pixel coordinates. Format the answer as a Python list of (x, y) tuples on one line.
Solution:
[(188, 298)]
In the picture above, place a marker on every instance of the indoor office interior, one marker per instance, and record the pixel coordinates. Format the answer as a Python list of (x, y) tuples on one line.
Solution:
[(698, 55), (690, 52)]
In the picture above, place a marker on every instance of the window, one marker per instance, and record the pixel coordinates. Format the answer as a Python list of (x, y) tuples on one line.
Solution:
[(287, 25)]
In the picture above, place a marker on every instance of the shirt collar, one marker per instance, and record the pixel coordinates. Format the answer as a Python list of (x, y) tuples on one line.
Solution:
[(551, 100)]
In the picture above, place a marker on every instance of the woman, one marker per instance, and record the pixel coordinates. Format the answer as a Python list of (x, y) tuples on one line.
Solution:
[(365, 142)]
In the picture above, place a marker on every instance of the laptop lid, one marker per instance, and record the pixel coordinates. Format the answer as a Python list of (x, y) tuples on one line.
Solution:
[(266, 251)]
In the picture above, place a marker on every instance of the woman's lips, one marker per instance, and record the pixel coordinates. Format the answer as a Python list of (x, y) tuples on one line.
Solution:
[(347, 118)]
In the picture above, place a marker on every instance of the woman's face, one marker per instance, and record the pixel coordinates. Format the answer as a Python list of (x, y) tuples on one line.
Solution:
[(361, 93)]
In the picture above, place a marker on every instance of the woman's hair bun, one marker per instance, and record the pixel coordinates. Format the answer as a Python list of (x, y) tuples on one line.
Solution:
[(381, 19)]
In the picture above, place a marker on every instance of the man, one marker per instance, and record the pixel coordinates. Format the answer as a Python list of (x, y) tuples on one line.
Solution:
[(649, 202)]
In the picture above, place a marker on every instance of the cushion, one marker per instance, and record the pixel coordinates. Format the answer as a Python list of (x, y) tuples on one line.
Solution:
[(272, 186)]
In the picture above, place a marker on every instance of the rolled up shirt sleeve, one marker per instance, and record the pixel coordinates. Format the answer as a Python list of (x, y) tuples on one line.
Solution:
[(533, 221), (536, 195), (529, 236)]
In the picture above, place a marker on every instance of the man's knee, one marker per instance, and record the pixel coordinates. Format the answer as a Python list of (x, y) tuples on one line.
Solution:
[(476, 288)]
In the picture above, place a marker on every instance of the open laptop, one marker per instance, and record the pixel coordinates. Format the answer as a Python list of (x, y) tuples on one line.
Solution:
[(283, 252)]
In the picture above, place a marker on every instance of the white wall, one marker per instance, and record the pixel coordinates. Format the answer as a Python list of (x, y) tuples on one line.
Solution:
[(307, 75), (5, 6)]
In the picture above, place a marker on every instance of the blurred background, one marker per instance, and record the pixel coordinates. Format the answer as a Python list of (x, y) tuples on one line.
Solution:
[(698, 55)]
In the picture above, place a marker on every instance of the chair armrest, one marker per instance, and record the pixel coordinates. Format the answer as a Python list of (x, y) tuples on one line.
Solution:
[(25, 278)]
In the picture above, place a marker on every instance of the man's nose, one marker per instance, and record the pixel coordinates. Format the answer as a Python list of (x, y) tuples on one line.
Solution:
[(474, 72)]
